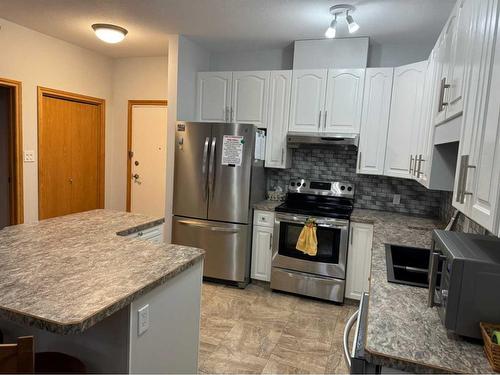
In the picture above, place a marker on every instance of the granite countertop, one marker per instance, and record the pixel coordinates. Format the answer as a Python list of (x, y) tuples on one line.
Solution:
[(402, 331), (67, 273), (266, 205)]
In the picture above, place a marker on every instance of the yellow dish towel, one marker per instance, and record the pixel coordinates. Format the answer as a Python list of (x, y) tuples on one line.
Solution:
[(308, 242)]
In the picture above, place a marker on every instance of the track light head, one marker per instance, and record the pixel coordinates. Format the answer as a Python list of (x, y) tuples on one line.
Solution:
[(331, 32), (351, 25)]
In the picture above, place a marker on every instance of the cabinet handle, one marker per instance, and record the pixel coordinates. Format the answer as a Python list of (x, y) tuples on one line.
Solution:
[(442, 104), (282, 155), (319, 120), (326, 114), (271, 242), (350, 239), (359, 161), (232, 115), (411, 163), (462, 178), (420, 160), (226, 114)]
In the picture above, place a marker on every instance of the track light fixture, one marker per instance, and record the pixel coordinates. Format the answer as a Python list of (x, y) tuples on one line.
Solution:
[(337, 10)]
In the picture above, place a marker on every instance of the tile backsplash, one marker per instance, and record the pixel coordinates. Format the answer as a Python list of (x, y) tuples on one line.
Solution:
[(338, 163), (463, 223)]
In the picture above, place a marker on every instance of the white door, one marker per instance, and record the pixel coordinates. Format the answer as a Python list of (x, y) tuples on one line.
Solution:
[(375, 120), (403, 123), (213, 102), (249, 98), (308, 100), (277, 154), (344, 100), (359, 260), (148, 167), (262, 252)]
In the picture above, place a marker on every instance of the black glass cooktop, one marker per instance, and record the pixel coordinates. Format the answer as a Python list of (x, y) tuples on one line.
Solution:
[(314, 205)]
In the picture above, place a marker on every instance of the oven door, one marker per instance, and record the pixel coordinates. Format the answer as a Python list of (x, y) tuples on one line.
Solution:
[(330, 259)]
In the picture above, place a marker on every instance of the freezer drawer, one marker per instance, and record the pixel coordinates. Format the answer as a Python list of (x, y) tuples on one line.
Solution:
[(227, 246)]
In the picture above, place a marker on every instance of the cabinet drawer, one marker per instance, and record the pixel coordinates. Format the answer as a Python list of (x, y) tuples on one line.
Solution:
[(263, 218)]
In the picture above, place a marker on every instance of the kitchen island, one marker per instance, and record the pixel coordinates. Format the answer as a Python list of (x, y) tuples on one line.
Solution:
[(77, 287)]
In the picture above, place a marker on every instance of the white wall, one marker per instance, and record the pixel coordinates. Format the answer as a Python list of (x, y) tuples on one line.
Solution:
[(4, 157), (39, 60), (389, 55), (192, 58), (138, 78), (271, 59)]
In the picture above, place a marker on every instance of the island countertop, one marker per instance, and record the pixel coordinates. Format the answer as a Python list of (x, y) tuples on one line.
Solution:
[(67, 273), (402, 332)]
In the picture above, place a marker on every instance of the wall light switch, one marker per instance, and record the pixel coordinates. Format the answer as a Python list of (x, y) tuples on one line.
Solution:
[(142, 319), (396, 199), (29, 156)]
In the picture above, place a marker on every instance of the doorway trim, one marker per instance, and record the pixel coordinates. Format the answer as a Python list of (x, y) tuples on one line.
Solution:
[(16, 152), (65, 95), (131, 104)]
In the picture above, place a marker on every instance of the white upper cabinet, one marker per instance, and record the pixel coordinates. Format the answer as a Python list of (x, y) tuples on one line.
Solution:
[(308, 100), (280, 87), (476, 192), (375, 120), (213, 96), (249, 98), (404, 119), (344, 99)]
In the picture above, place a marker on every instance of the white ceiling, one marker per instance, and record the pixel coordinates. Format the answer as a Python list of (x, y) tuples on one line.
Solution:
[(223, 25)]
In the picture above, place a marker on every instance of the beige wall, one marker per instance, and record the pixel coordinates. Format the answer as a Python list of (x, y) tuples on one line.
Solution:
[(140, 78), (39, 60), (36, 59)]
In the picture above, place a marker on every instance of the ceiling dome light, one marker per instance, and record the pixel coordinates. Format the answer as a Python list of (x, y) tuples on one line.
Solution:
[(109, 33), (332, 30), (351, 25)]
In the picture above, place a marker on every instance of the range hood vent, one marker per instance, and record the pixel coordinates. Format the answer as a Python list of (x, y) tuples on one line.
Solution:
[(294, 139)]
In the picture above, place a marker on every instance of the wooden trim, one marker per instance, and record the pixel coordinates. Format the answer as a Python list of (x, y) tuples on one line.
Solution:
[(131, 104), (16, 152), (101, 103)]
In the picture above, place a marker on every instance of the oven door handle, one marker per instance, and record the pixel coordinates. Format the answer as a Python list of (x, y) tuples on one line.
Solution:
[(347, 331), (318, 223)]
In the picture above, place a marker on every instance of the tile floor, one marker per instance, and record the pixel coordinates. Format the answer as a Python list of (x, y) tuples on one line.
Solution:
[(258, 331)]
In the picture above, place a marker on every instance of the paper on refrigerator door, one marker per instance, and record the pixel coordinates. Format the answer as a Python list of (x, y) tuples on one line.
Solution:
[(232, 150)]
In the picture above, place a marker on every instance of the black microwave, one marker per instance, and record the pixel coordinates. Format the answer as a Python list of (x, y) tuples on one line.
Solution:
[(464, 280)]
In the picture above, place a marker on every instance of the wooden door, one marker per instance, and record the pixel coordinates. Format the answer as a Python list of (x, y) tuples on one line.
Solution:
[(344, 100), (375, 120), (70, 148), (249, 98), (308, 100), (277, 154), (213, 96)]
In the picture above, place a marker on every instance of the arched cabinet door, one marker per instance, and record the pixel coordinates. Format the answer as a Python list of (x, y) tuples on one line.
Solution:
[(344, 101), (249, 98), (213, 102), (308, 100)]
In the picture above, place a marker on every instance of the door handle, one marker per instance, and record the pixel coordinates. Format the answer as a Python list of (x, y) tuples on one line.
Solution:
[(211, 168), (208, 227), (442, 104), (204, 168), (347, 330)]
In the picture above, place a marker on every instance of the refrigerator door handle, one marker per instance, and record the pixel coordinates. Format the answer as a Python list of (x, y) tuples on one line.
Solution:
[(211, 168), (204, 168), (208, 227)]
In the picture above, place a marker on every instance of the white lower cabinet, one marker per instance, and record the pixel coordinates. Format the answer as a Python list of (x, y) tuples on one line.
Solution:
[(153, 234), (262, 246), (359, 260)]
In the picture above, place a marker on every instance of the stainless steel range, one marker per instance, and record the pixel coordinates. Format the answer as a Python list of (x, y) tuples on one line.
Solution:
[(323, 275)]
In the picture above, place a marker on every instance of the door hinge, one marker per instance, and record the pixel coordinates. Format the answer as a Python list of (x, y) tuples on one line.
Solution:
[(131, 154)]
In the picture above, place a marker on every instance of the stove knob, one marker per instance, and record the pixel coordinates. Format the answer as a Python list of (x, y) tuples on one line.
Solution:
[(298, 184), (304, 184), (349, 188), (342, 188), (292, 183)]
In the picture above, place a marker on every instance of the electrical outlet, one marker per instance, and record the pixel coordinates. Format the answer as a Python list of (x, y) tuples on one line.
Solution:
[(396, 199), (143, 319), (29, 156)]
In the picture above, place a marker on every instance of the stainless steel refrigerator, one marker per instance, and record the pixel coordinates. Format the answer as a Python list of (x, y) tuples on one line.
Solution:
[(216, 181)]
